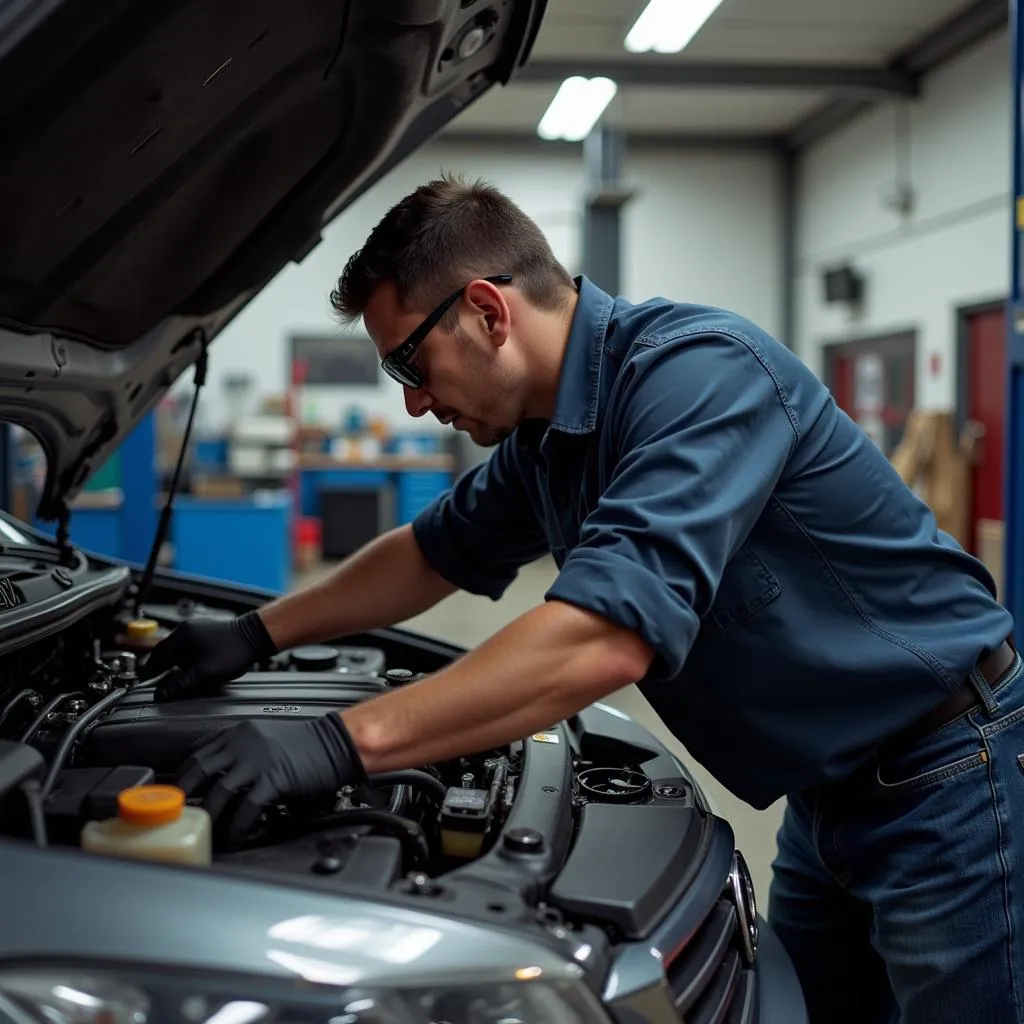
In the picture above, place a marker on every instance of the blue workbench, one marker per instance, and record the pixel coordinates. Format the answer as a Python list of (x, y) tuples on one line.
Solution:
[(416, 480), (95, 524), (241, 540), (118, 520)]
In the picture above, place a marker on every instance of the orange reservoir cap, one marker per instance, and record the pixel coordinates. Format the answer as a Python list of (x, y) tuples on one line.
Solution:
[(150, 805), (141, 629)]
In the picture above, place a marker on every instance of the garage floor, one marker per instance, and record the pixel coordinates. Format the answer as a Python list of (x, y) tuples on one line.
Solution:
[(466, 620)]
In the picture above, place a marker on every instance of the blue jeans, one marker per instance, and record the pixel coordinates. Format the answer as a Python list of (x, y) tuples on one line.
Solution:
[(899, 892)]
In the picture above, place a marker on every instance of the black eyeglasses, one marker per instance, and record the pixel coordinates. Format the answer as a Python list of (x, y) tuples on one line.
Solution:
[(396, 363)]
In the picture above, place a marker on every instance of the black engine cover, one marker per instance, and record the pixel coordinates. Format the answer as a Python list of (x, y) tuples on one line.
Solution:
[(140, 731)]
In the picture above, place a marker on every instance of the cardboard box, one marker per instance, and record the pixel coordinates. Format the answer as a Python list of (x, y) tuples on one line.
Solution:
[(991, 534), (937, 465)]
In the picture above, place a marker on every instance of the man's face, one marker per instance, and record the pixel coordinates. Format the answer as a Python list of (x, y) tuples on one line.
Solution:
[(470, 375)]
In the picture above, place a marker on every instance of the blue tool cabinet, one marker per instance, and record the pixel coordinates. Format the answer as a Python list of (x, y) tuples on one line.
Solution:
[(242, 540), (416, 490)]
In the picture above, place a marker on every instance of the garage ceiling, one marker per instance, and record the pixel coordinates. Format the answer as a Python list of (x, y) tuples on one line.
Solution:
[(759, 69), (798, 31)]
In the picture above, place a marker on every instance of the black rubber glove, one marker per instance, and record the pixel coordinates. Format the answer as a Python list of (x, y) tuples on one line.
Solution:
[(207, 652), (246, 768)]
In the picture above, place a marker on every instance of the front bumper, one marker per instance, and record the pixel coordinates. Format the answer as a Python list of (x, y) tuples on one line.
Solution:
[(703, 964)]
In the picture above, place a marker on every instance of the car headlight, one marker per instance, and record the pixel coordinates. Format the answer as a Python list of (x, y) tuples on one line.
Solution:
[(77, 995)]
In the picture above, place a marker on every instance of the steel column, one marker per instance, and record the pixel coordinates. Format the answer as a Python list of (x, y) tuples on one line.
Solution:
[(138, 487), (602, 235), (788, 283), (668, 72), (1013, 476), (666, 142)]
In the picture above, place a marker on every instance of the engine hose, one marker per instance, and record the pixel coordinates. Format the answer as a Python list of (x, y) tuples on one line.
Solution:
[(398, 799), (408, 833), (14, 702), (412, 777), (48, 710), (398, 804), (69, 738), (33, 794)]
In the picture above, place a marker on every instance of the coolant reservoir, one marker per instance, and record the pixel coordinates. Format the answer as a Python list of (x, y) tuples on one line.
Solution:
[(152, 823), (140, 635)]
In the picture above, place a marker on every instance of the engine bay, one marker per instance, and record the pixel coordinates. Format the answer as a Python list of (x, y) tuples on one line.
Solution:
[(534, 818), (425, 820)]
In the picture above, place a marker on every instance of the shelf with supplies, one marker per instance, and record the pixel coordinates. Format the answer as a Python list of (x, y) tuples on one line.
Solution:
[(439, 461), (356, 499)]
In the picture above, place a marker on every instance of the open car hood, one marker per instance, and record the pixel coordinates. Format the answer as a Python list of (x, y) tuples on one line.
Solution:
[(163, 161)]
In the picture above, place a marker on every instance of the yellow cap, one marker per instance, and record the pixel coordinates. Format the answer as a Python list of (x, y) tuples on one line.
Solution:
[(150, 805), (139, 629)]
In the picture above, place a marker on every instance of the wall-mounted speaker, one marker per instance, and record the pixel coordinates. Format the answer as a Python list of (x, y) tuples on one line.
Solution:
[(843, 284)]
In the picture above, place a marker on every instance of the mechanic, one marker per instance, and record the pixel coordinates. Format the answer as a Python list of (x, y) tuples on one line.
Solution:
[(725, 537)]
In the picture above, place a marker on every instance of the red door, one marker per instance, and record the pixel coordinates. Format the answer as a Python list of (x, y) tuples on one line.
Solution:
[(986, 362), (842, 382), (873, 382)]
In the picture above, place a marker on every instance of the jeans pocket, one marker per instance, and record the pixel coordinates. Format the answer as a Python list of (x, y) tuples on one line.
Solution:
[(957, 747), (901, 775), (1009, 692)]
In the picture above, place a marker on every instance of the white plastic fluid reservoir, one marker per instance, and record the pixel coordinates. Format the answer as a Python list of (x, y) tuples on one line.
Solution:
[(152, 823)]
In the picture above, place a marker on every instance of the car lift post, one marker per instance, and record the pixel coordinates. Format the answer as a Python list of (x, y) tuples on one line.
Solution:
[(1013, 476)]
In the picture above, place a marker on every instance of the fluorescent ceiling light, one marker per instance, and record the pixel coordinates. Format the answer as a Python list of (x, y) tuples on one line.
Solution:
[(666, 26), (576, 108)]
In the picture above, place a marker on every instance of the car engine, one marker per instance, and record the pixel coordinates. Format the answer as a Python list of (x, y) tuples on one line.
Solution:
[(73, 693), (415, 820)]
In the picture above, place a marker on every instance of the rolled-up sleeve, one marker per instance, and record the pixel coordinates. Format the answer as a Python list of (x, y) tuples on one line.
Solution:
[(703, 432), (480, 533)]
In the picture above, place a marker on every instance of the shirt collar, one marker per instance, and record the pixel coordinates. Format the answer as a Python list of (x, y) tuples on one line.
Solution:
[(578, 397), (576, 404)]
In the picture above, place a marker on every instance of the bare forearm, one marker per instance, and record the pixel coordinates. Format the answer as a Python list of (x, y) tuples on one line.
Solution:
[(543, 667), (385, 582)]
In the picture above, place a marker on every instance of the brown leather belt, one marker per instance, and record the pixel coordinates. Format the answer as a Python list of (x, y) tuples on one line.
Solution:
[(964, 698)]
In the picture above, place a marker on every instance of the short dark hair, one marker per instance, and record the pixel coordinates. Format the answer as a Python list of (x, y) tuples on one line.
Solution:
[(442, 236)]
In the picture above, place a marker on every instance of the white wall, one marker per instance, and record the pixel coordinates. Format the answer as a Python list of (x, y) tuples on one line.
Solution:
[(706, 227), (703, 227), (954, 247)]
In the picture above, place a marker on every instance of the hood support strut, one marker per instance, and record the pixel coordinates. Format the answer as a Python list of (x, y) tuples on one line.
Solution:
[(165, 515), (63, 536)]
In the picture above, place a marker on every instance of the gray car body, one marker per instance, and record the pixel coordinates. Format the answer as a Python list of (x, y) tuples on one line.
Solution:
[(62, 906)]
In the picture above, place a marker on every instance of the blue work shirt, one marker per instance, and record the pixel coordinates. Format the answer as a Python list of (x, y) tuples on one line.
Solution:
[(698, 484)]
